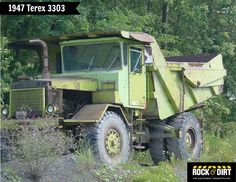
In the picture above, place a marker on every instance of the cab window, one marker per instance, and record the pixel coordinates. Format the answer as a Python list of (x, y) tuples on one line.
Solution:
[(136, 60)]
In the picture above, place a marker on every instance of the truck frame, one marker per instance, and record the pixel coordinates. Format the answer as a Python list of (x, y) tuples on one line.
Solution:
[(118, 91)]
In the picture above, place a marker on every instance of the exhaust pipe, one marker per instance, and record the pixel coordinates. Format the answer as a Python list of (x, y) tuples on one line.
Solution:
[(45, 72)]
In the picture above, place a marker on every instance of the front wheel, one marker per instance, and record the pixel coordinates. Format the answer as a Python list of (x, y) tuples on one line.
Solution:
[(109, 139), (188, 144)]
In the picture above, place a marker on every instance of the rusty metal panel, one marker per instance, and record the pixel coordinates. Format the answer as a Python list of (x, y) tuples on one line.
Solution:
[(91, 112), (73, 83), (202, 58), (142, 37), (205, 77), (59, 38)]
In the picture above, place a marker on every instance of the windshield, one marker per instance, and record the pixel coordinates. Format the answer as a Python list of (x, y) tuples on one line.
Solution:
[(92, 57)]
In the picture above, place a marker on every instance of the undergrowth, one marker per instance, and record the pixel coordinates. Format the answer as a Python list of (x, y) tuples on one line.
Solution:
[(39, 148)]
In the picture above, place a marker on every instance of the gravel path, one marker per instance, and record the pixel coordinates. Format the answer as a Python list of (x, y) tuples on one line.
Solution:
[(63, 169), (182, 173)]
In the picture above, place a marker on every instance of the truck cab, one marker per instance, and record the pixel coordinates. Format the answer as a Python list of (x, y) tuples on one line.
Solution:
[(115, 63)]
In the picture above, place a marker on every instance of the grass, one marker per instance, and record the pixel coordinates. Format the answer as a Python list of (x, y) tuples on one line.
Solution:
[(220, 146), (220, 149), (141, 168)]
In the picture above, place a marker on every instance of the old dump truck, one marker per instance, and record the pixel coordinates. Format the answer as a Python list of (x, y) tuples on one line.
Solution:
[(120, 92)]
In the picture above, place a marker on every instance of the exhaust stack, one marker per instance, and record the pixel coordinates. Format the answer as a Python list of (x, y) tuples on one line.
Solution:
[(45, 72)]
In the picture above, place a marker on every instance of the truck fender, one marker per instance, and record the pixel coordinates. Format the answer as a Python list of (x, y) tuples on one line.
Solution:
[(92, 113)]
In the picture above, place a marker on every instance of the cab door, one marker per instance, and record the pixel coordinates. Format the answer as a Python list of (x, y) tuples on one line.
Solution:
[(137, 77)]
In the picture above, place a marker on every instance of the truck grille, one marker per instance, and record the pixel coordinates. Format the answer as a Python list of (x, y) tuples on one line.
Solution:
[(33, 98)]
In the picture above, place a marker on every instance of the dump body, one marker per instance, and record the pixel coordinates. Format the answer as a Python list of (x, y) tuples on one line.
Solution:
[(183, 82)]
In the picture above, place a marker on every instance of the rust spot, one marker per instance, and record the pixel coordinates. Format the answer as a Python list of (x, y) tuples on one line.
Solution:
[(142, 37), (195, 64), (198, 83)]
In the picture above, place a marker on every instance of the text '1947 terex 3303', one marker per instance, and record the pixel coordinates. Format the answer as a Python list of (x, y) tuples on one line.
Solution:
[(121, 90)]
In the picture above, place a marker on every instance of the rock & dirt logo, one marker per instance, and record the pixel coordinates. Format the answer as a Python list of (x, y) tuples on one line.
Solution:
[(212, 171)]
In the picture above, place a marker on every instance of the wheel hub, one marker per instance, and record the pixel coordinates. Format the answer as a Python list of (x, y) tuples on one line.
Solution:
[(112, 143), (190, 140)]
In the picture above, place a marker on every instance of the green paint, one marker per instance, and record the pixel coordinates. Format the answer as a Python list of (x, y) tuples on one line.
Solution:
[(80, 84), (90, 41), (137, 80), (103, 97)]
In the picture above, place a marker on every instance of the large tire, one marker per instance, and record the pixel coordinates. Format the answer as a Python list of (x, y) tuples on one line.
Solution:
[(157, 145), (109, 139), (189, 142)]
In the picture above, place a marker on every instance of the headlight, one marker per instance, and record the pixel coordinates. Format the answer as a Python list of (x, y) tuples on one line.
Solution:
[(5, 111), (51, 108)]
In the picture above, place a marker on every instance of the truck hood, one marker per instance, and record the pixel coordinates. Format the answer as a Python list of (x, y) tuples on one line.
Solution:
[(67, 83), (73, 83)]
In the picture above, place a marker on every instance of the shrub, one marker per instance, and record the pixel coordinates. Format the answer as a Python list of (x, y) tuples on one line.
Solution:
[(36, 148), (218, 149)]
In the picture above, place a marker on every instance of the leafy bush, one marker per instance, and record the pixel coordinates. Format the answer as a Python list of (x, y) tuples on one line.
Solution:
[(10, 174), (218, 149), (221, 129), (216, 110)]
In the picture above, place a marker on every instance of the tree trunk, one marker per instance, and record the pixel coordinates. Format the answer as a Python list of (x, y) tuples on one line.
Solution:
[(148, 5), (165, 17)]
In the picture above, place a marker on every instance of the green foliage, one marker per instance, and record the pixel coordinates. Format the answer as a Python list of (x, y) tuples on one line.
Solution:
[(122, 20), (89, 169), (142, 157), (6, 58), (85, 163), (216, 109), (11, 67), (162, 172), (219, 149), (10, 174), (221, 129), (107, 173)]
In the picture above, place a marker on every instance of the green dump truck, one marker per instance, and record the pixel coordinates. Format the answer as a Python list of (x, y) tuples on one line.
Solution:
[(119, 92)]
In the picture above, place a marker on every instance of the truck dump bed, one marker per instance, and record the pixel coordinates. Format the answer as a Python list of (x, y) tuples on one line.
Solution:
[(182, 82), (201, 70)]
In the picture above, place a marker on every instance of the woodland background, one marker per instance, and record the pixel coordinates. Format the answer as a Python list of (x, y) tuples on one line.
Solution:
[(181, 27)]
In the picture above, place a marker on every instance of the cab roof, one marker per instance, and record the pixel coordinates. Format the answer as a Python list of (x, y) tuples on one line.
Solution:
[(139, 36)]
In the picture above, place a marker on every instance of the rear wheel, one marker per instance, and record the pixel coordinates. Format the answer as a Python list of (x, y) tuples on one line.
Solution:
[(189, 142), (157, 145), (109, 139)]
